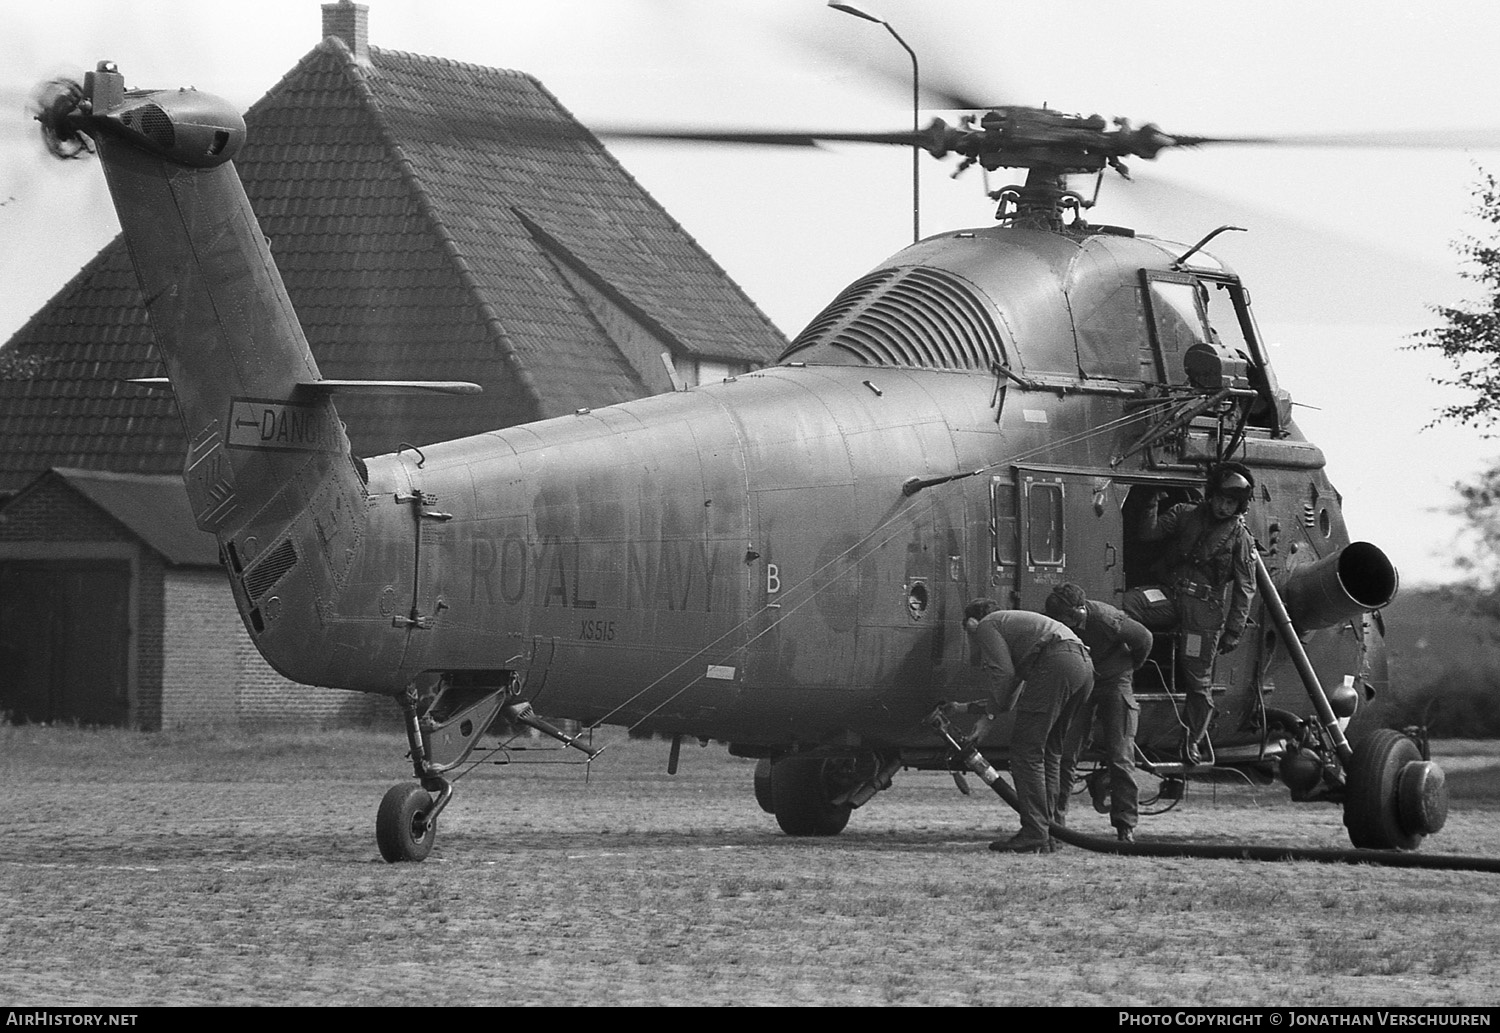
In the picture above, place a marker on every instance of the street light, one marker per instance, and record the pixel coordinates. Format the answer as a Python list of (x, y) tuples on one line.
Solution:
[(916, 151)]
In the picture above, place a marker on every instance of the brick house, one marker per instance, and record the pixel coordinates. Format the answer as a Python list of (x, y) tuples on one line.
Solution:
[(116, 612), (432, 220)]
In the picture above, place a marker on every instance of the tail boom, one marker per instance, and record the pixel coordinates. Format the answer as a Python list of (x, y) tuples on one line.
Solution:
[(268, 468)]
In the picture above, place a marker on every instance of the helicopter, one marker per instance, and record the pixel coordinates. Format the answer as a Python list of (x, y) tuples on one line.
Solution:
[(779, 561)]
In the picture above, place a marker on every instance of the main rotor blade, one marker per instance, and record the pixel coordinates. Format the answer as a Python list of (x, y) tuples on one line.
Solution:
[(953, 101), (939, 138), (1435, 139), (768, 138)]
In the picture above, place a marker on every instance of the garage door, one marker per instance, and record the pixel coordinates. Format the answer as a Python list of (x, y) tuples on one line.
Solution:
[(64, 641)]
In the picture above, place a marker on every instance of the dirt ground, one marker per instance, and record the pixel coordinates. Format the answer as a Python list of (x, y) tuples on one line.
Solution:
[(189, 870)]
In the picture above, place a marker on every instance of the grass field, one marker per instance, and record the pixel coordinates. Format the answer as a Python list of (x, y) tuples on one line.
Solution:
[(185, 869)]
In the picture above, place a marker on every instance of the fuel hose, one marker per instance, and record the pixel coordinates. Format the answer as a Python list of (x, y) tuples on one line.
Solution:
[(975, 762)]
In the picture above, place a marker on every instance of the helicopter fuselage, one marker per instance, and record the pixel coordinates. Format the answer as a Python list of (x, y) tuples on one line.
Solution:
[(781, 560), (739, 561)]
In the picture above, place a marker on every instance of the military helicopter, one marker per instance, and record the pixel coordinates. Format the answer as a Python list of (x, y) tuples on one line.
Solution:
[(778, 561)]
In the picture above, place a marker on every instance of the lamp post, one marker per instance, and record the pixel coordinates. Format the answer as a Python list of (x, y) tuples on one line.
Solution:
[(916, 150)]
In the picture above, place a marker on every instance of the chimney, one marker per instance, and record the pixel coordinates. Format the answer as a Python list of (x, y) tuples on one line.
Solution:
[(350, 22)]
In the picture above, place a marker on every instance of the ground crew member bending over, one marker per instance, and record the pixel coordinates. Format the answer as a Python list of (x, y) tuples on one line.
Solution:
[(1118, 646), (1015, 646), (1208, 573)]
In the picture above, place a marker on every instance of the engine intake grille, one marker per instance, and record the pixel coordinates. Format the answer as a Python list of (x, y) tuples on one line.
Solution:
[(904, 317)]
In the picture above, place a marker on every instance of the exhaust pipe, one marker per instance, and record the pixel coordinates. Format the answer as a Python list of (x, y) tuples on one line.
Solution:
[(1354, 580)]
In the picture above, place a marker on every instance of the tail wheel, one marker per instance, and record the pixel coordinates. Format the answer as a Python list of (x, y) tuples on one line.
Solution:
[(402, 828), (1372, 804), (802, 794)]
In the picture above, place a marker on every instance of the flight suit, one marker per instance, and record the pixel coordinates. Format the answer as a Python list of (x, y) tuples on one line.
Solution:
[(1016, 646), (1118, 646), (1209, 575)]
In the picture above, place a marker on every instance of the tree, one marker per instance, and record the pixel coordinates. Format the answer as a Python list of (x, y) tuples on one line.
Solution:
[(1479, 505), (1470, 337), (1460, 697)]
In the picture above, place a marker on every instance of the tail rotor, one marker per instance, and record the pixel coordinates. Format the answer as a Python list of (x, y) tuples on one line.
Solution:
[(52, 104)]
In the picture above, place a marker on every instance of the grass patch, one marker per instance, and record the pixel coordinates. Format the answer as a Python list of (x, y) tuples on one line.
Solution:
[(218, 868), (1474, 785)]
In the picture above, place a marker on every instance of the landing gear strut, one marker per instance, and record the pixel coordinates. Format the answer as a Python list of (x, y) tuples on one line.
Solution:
[(440, 739), (406, 823)]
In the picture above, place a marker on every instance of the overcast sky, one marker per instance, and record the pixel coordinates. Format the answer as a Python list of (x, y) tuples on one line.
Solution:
[(1345, 252)]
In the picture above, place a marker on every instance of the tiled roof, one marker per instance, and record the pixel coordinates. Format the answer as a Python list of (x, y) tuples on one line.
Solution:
[(421, 212), (152, 507), (63, 396)]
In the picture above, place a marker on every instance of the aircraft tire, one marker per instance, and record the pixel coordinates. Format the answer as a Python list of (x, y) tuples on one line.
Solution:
[(1372, 809), (763, 785), (802, 789), (401, 829)]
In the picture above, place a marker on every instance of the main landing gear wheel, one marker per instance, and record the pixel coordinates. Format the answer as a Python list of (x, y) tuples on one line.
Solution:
[(1394, 797), (763, 786), (402, 829), (802, 794)]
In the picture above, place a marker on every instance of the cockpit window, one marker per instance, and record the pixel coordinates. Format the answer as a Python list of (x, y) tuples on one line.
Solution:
[(1179, 314), (1111, 327), (1224, 318), (1188, 308), (1229, 315), (1178, 320)]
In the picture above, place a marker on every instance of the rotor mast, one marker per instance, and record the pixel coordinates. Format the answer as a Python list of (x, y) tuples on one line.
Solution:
[(1050, 146)]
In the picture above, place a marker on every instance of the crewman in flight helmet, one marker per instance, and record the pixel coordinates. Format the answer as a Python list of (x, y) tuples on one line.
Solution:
[(1207, 574)]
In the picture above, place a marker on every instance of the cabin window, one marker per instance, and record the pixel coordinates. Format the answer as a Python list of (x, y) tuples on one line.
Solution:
[(1044, 523), (1003, 521)]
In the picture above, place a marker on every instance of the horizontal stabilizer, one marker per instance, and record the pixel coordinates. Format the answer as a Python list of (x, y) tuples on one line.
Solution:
[(391, 387)]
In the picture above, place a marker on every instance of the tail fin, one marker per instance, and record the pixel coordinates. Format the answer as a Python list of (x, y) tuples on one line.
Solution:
[(224, 325), (268, 468)]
